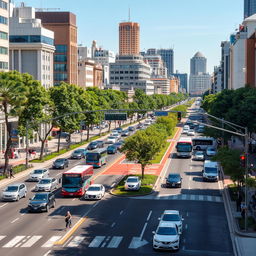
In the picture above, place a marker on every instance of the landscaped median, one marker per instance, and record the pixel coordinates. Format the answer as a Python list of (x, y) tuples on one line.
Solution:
[(146, 188)]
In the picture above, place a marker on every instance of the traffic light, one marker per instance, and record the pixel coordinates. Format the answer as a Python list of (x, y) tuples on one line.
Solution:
[(242, 161), (179, 116)]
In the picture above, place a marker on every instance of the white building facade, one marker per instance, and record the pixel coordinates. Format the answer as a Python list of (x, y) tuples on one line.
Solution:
[(199, 84)]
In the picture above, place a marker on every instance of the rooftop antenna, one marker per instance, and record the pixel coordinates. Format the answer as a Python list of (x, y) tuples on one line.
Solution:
[(129, 15)]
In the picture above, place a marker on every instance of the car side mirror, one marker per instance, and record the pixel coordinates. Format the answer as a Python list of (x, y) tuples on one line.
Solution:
[(153, 232)]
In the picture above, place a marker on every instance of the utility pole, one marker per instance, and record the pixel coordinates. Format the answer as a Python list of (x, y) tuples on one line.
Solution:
[(26, 143), (246, 147)]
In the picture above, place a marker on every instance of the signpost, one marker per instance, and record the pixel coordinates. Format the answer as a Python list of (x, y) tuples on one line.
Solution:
[(161, 113), (115, 116)]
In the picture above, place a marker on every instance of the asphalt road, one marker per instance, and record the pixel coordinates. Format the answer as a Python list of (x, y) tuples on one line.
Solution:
[(121, 226)]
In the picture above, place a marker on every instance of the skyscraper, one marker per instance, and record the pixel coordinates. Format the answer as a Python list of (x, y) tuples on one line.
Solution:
[(183, 81), (63, 24), (199, 80), (167, 57), (129, 38), (249, 8), (4, 40)]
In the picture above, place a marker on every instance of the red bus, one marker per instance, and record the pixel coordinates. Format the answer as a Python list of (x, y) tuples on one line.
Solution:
[(76, 180)]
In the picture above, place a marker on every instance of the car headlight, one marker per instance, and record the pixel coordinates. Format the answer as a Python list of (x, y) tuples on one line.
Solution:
[(43, 204), (155, 240), (175, 241)]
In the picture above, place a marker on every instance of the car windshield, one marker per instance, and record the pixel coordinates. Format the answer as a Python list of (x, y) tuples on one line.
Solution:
[(111, 147), (41, 197), (166, 231), (93, 189), (132, 180), (44, 181), (59, 160), (199, 153), (11, 189), (93, 143), (211, 149), (174, 176), (38, 171), (78, 151), (210, 170), (171, 217), (112, 137)]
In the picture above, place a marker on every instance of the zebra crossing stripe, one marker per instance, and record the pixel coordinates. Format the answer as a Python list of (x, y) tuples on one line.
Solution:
[(201, 198), (115, 241), (174, 197), (209, 198), (2, 237), (76, 241), (192, 197), (183, 197), (50, 242), (96, 241), (31, 241), (217, 199), (13, 242)]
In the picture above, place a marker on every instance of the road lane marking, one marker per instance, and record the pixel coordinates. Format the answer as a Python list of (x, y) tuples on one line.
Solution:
[(70, 232), (2, 237), (31, 241), (51, 241), (187, 214), (115, 241), (149, 215), (13, 242), (121, 212), (113, 224), (191, 167), (143, 230), (76, 241), (96, 241), (47, 253), (3, 205), (113, 185), (14, 220), (73, 199), (186, 227), (95, 204)]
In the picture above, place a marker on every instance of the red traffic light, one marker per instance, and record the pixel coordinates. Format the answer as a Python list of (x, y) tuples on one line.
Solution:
[(242, 157)]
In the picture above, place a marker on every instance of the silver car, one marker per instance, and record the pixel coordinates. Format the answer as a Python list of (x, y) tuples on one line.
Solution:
[(48, 184), (14, 192), (39, 174), (132, 183)]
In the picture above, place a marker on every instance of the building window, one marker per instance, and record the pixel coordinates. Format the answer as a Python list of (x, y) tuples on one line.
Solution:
[(60, 58), (3, 20), (3, 50), (61, 48), (60, 77), (60, 67), (3, 5), (31, 39), (3, 65), (3, 35)]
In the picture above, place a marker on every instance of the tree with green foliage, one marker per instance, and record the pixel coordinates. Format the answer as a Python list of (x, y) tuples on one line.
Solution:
[(13, 96)]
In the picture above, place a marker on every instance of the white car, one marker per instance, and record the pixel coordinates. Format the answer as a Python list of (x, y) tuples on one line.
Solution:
[(191, 132), (38, 174), (185, 129), (112, 140), (115, 134), (95, 191), (172, 216), (166, 237), (47, 184), (14, 192), (199, 155), (132, 183), (210, 151)]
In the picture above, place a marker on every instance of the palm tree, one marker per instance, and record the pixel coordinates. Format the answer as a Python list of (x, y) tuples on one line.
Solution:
[(12, 98)]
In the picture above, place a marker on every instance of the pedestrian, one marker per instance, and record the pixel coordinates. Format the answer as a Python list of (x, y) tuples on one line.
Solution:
[(243, 209), (11, 173), (238, 202), (68, 220)]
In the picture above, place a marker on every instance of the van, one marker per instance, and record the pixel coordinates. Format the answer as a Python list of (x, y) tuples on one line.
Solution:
[(210, 171)]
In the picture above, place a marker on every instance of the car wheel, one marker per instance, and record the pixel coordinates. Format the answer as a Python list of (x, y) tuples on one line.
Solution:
[(18, 198), (47, 208), (198, 148)]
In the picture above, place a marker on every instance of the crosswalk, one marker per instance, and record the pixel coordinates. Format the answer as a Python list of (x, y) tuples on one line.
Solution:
[(22, 241), (206, 198)]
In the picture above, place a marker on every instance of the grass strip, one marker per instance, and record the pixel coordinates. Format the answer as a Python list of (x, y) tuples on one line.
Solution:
[(146, 186)]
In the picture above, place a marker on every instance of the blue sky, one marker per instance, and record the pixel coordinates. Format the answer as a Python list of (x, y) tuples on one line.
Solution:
[(187, 26)]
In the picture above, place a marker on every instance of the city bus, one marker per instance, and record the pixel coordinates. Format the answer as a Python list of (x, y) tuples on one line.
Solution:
[(76, 180), (202, 143), (184, 147), (97, 157)]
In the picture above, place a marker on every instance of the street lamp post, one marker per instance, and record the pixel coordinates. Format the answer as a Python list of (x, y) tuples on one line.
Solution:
[(27, 144)]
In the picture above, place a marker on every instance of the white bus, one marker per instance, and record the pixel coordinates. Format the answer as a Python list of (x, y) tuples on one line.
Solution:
[(184, 147), (202, 143)]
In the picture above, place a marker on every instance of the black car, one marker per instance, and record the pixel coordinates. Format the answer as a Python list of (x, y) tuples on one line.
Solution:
[(119, 129), (79, 153), (131, 128), (174, 180), (112, 149), (93, 145), (60, 163), (41, 202), (119, 144)]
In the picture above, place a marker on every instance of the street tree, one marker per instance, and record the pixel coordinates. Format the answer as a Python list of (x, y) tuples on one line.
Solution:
[(13, 96)]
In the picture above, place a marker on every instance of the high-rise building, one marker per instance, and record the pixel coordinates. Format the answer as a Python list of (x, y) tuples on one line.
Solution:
[(199, 80), (31, 45), (63, 24), (225, 64), (217, 80), (167, 57), (158, 69), (129, 38), (249, 8), (198, 64), (183, 77), (4, 37)]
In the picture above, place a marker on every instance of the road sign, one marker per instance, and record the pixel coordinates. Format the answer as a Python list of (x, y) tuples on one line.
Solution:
[(115, 116), (161, 113)]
